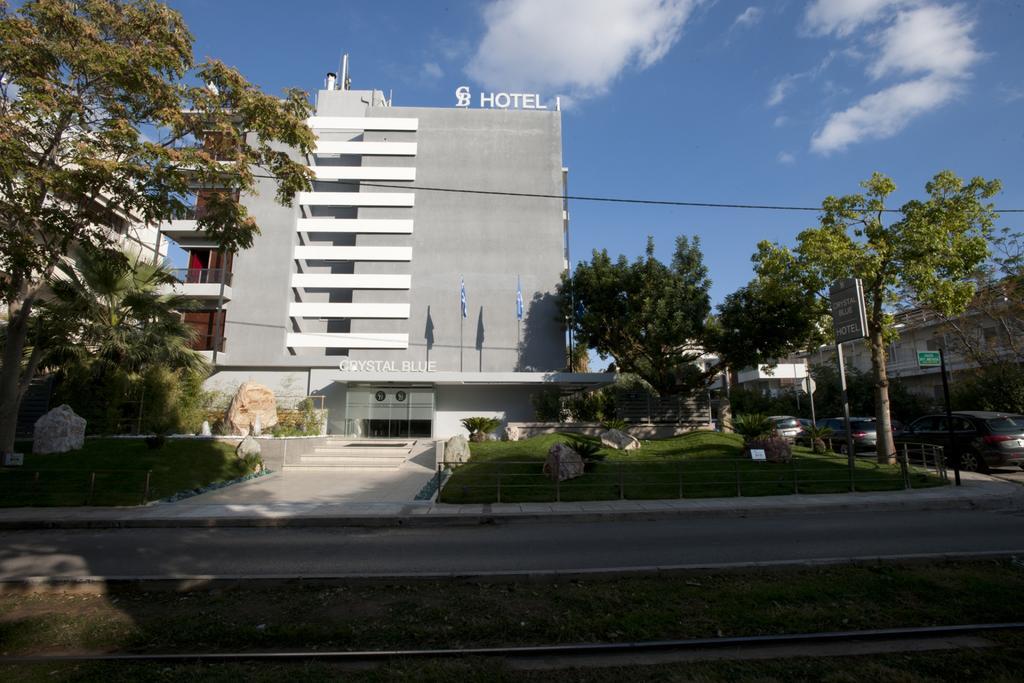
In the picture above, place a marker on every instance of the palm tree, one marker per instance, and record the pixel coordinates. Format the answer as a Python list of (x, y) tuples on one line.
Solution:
[(117, 315)]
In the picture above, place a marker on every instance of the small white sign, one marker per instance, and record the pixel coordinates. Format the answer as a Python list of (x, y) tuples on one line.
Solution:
[(758, 454), (502, 100), (14, 459), (347, 365)]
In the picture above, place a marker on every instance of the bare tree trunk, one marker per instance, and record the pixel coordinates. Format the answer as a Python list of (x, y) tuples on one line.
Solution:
[(10, 377), (886, 448), (725, 405)]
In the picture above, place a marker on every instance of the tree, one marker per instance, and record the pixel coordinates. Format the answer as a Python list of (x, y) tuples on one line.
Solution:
[(109, 326), (101, 107), (647, 315), (927, 254)]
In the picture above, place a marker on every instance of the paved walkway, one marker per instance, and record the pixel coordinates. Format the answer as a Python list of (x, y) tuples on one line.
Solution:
[(978, 492), (325, 486)]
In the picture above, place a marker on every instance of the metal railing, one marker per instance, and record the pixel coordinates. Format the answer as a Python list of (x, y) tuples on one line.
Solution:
[(201, 276), (61, 487), (697, 477)]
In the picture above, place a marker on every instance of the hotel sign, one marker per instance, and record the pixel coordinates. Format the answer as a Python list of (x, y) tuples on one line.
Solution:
[(387, 366), (848, 315), (502, 100)]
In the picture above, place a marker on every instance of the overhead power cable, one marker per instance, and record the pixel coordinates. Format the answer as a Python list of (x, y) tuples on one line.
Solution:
[(616, 200)]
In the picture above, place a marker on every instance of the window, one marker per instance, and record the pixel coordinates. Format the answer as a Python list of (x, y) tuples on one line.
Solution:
[(209, 327)]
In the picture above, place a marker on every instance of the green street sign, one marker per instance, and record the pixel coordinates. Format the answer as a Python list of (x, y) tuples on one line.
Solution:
[(928, 359)]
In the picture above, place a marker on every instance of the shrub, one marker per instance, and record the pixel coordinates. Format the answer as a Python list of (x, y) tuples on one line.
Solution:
[(547, 406), (776, 449), (480, 427), (615, 423), (156, 442), (586, 449), (752, 426), (817, 436)]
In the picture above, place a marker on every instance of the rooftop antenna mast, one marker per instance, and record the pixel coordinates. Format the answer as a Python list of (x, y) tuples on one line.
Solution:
[(346, 82)]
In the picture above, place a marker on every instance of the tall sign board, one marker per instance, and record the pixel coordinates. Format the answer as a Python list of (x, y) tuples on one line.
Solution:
[(848, 316), (850, 322)]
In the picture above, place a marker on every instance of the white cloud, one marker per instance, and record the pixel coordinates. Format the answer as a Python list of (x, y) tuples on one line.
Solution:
[(432, 70), (782, 87), (843, 17), (786, 158), (884, 113), (930, 42), (575, 46), (927, 39), (749, 17), (1011, 93), (780, 121)]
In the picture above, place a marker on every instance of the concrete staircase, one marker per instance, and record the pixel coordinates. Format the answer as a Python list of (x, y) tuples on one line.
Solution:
[(343, 453)]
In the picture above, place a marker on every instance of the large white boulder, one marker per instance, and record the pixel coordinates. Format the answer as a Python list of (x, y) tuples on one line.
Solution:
[(511, 433), (622, 441), (563, 463), (456, 449), (253, 404), (248, 446), (59, 431)]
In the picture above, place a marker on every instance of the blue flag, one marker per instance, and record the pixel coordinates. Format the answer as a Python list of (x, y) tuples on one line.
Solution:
[(462, 298), (519, 299)]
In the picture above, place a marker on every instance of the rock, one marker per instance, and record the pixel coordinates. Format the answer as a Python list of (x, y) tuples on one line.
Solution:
[(511, 433), (249, 446), (622, 441), (569, 463), (59, 431), (491, 437), (456, 449), (205, 429), (252, 400)]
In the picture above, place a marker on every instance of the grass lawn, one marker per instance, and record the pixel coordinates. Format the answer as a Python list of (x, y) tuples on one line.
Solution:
[(441, 614), (700, 464), (120, 466)]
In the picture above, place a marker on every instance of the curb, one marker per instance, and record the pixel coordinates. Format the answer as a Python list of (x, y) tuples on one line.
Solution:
[(186, 582), (1011, 501)]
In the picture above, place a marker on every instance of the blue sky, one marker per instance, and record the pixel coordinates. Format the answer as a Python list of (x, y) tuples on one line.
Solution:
[(738, 102)]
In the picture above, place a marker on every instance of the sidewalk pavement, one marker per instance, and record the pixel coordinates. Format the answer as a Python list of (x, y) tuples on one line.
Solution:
[(979, 492)]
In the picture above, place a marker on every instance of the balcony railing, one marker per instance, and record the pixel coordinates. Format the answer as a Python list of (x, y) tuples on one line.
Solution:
[(202, 275)]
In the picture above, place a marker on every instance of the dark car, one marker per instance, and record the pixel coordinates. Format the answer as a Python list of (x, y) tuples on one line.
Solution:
[(984, 439), (865, 433)]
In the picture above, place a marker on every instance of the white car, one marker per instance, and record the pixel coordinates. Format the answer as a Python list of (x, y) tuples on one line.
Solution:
[(787, 426)]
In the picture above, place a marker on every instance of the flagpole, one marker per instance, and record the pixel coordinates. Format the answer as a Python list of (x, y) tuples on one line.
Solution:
[(462, 318)]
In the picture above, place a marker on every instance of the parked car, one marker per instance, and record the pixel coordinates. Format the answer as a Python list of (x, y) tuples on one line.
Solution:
[(865, 433), (787, 426), (984, 439)]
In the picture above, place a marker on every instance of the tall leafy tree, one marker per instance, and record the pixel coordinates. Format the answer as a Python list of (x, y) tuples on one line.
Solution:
[(926, 251), (649, 316), (101, 107)]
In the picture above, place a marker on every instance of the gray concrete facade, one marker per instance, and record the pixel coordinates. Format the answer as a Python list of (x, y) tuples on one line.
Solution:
[(495, 244)]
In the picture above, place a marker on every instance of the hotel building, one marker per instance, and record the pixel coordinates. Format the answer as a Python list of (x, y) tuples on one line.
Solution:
[(355, 293)]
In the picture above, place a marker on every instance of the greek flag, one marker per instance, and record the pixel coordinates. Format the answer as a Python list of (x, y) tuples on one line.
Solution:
[(462, 298), (519, 299)]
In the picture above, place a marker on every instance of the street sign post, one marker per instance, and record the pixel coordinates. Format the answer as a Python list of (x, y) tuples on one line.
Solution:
[(850, 322), (809, 386)]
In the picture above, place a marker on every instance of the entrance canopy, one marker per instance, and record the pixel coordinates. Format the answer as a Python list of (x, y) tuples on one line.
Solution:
[(565, 381)]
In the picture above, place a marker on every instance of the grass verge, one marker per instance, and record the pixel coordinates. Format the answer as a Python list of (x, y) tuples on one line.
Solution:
[(439, 614), (700, 464), (120, 467)]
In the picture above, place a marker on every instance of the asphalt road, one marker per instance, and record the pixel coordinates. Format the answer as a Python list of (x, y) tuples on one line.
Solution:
[(503, 548)]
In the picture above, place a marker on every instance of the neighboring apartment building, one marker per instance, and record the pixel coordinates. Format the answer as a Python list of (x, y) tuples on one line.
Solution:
[(396, 304)]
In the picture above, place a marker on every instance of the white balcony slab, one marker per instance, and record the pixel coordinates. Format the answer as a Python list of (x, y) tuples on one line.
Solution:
[(345, 310), (356, 198), (362, 225), (204, 291), (349, 281), (315, 253), (345, 340), (364, 172), (365, 148), (362, 123)]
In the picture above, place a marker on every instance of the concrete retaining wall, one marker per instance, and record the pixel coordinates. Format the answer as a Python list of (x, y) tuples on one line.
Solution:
[(640, 431)]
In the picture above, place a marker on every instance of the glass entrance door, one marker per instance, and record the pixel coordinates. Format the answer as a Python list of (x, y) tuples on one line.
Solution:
[(389, 412)]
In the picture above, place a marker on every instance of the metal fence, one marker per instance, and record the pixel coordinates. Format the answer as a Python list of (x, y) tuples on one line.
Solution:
[(75, 487), (641, 478)]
